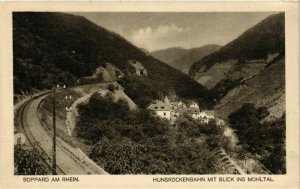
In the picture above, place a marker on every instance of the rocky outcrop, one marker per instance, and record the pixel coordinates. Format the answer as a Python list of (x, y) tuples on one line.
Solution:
[(109, 73)]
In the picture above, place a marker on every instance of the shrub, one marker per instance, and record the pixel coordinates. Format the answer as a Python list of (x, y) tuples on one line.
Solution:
[(266, 139), (29, 161)]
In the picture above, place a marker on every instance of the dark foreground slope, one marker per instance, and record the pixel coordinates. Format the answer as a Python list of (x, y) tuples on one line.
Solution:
[(52, 48)]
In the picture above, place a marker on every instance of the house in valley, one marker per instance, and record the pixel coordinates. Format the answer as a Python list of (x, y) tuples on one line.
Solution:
[(194, 105), (206, 115), (161, 108), (202, 115), (139, 68), (172, 110)]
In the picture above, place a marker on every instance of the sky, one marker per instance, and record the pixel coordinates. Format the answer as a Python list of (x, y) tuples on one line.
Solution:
[(155, 31)]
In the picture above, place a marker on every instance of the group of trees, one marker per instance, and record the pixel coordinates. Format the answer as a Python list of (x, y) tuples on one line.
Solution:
[(29, 161), (136, 142), (267, 139), (141, 90)]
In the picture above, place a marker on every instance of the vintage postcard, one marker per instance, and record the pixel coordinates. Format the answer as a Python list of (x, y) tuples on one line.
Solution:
[(149, 95)]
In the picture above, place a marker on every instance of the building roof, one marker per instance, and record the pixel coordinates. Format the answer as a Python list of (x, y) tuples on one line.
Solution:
[(160, 106), (194, 105), (209, 112), (167, 100)]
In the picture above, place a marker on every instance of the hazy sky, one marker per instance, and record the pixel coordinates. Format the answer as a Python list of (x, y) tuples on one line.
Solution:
[(154, 31)]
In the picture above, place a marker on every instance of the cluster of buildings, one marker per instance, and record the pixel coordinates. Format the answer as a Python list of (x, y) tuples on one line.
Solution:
[(171, 110)]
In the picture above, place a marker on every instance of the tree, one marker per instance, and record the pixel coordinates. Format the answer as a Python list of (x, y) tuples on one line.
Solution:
[(266, 139), (29, 161), (34, 73), (123, 153)]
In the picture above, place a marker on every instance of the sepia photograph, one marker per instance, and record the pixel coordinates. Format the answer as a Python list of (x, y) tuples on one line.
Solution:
[(149, 93)]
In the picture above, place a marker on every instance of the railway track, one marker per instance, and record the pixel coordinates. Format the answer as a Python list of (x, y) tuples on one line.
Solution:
[(70, 160), (23, 126)]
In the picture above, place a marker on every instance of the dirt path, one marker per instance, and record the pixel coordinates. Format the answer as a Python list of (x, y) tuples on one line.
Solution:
[(249, 165), (229, 133), (241, 171), (73, 113)]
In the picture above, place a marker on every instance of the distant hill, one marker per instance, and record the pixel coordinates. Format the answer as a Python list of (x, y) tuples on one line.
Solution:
[(50, 48), (182, 59), (250, 69), (170, 54), (184, 62)]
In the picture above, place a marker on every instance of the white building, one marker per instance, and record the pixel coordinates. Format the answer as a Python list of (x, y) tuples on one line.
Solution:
[(194, 105), (204, 116), (161, 108)]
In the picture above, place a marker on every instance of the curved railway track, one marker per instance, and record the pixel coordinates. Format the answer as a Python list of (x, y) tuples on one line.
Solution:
[(69, 160), (22, 122)]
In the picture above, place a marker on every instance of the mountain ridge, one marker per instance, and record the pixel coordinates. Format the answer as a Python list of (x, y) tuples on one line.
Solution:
[(169, 54), (181, 58)]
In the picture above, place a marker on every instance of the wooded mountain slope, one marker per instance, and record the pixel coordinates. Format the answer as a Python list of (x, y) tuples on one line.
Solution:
[(52, 48), (267, 37), (250, 69), (267, 89)]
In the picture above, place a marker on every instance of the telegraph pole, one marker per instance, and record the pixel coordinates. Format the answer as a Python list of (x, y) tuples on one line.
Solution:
[(54, 134)]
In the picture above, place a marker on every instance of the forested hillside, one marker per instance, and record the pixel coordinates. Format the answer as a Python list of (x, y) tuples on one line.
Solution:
[(265, 38), (249, 69), (52, 48)]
